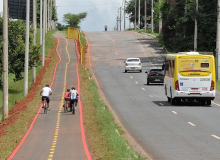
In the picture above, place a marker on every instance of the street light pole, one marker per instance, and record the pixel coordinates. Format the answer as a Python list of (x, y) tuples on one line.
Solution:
[(135, 23), (145, 16), (5, 60), (218, 41), (139, 14), (195, 33), (152, 16)]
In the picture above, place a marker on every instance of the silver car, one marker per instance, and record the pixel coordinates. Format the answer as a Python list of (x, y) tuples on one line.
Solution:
[(133, 64)]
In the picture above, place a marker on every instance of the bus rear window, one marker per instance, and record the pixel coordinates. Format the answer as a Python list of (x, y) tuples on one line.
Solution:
[(204, 65)]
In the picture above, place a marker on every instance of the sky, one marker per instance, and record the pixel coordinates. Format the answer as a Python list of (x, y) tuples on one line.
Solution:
[(99, 13)]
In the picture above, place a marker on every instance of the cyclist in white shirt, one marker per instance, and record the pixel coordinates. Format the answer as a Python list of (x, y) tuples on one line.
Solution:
[(45, 93), (73, 95)]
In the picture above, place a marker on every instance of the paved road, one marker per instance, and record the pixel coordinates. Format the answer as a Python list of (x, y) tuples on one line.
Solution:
[(57, 135), (165, 132)]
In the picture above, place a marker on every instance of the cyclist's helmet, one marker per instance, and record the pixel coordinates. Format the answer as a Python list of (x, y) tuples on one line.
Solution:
[(73, 88), (68, 90), (47, 85)]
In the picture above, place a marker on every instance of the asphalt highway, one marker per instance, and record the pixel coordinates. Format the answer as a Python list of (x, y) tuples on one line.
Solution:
[(165, 132)]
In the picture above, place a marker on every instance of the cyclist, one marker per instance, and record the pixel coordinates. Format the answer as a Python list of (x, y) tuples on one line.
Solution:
[(45, 93), (67, 96), (73, 94)]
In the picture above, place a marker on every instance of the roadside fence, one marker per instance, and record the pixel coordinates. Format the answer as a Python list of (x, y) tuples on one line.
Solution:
[(73, 33)]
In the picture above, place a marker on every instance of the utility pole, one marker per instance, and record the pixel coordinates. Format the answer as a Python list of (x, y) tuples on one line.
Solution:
[(5, 60), (195, 33), (145, 16), (135, 23), (45, 1), (120, 18), (152, 16), (218, 41), (51, 10), (160, 21), (44, 30), (48, 15), (129, 21), (34, 36), (117, 23), (26, 48), (139, 14), (41, 22), (124, 16)]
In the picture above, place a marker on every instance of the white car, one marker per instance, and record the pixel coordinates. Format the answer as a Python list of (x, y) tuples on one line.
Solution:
[(133, 64)]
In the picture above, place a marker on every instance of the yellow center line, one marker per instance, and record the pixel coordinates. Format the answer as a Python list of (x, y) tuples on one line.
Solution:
[(61, 106)]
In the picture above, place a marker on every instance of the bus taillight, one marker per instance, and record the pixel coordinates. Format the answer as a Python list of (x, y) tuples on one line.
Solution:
[(177, 85), (212, 86)]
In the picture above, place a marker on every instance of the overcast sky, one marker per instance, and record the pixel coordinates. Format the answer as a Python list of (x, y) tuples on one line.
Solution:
[(99, 12)]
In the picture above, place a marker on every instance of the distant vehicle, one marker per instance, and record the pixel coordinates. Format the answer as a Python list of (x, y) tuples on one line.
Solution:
[(133, 64), (190, 76), (155, 75)]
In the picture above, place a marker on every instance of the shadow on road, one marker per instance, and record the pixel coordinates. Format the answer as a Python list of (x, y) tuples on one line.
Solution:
[(183, 104)]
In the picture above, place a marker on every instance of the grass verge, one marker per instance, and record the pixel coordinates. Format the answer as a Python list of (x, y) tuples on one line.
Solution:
[(16, 131), (105, 137)]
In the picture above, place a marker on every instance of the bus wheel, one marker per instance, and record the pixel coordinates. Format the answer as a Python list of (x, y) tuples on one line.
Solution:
[(172, 100), (209, 102), (203, 102)]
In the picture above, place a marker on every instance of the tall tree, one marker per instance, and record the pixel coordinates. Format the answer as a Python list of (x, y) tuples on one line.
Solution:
[(73, 20)]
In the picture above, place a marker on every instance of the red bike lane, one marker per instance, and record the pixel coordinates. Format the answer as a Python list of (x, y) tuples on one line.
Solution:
[(57, 135)]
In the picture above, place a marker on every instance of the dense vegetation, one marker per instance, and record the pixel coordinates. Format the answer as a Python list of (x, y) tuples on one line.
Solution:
[(178, 18), (16, 49)]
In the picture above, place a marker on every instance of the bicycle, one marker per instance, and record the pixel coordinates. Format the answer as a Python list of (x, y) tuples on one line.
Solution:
[(66, 106), (45, 105)]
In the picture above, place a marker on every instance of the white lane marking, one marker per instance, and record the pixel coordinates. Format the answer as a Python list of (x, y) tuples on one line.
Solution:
[(136, 82), (151, 96), (120, 62), (143, 89), (131, 76), (116, 54), (192, 124), (161, 104), (113, 40), (216, 103), (215, 136), (174, 112)]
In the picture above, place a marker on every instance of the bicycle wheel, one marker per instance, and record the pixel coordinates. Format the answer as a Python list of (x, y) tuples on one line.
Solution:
[(68, 107), (73, 108), (64, 107), (45, 107)]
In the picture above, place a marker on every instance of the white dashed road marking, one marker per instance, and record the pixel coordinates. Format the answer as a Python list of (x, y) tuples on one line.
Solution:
[(150, 95), (131, 76), (143, 89), (192, 124), (136, 82), (215, 136), (161, 104), (174, 112)]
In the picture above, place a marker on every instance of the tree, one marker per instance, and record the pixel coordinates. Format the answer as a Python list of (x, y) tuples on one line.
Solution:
[(16, 49), (73, 20)]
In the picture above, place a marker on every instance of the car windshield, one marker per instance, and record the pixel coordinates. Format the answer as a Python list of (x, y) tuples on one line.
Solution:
[(133, 60), (157, 71)]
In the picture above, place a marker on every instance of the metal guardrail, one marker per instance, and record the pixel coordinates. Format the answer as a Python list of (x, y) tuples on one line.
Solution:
[(73, 33)]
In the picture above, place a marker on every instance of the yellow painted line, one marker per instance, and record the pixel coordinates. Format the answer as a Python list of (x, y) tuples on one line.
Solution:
[(51, 152), (192, 124), (61, 106)]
